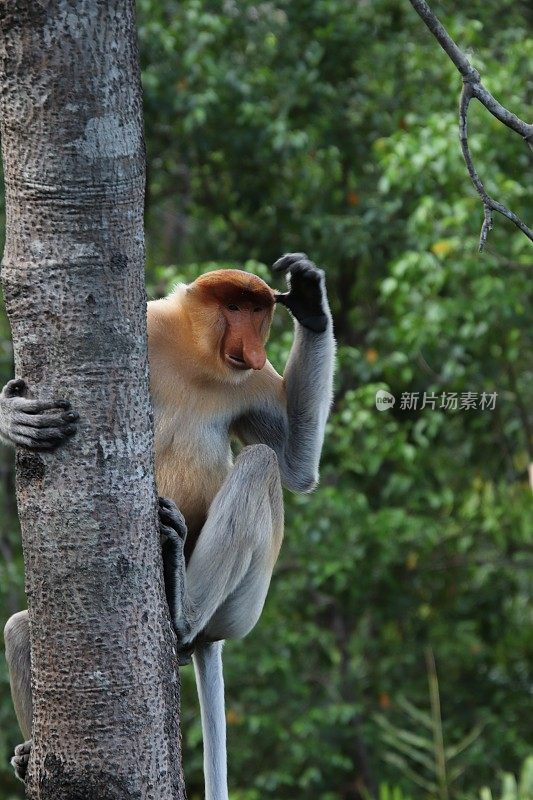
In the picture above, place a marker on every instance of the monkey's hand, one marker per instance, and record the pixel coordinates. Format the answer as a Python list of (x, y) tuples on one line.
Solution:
[(26, 423), (173, 532), (21, 759), (306, 298)]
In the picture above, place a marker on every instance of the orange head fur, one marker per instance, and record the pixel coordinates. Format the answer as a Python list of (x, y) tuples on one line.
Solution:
[(230, 313)]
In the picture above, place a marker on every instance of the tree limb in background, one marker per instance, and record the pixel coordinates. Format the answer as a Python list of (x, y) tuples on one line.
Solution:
[(472, 87)]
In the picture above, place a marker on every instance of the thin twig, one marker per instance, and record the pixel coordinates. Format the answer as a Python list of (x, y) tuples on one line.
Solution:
[(489, 204), (472, 87)]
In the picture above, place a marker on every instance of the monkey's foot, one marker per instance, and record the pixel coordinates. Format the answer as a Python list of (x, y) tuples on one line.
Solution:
[(21, 759), (173, 533), (185, 652), (171, 520)]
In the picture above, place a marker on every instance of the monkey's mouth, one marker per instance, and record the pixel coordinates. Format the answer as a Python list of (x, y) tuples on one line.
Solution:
[(236, 361)]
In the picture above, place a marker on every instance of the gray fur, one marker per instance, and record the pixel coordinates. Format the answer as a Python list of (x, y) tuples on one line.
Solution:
[(226, 583), (229, 572), (210, 682), (297, 433), (17, 643)]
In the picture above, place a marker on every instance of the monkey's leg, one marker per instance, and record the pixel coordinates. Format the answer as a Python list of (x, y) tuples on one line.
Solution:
[(17, 641), (229, 572)]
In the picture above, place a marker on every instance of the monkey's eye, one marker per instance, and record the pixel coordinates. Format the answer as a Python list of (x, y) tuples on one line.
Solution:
[(232, 307), (257, 310)]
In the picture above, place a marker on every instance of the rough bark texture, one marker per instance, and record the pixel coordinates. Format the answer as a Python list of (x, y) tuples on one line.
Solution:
[(105, 683)]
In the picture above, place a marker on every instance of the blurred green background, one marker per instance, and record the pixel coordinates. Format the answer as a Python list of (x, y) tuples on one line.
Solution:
[(393, 657)]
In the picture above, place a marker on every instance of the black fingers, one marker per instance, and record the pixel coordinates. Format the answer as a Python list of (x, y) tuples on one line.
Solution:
[(285, 263), (35, 424), (21, 759), (167, 503), (36, 430), (17, 391), (64, 421), (306, 298), (298, 264), (46, 439), (172, 541), (171, 520), (39, 406), (168, 533), (41, 438)]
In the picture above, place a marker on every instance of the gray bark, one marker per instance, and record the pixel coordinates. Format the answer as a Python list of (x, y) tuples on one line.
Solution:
[(103, 661)]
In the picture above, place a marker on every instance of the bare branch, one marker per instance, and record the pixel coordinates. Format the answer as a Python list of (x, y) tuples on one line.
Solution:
[(473, 88), (489, 204)]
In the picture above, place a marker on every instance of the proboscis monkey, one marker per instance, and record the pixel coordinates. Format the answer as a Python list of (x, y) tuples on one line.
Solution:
[(211, 382)]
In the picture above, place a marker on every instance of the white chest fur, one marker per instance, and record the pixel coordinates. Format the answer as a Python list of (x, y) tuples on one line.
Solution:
[(193, 457)]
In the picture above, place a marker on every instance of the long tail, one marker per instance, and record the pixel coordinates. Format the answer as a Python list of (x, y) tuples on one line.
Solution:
[(210, 685)]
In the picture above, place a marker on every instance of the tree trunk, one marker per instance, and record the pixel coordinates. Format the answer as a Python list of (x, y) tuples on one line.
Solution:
[(104, 676)]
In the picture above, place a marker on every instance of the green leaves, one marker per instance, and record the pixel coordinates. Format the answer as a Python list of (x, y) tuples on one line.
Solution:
[(511, 789), (423, 757)]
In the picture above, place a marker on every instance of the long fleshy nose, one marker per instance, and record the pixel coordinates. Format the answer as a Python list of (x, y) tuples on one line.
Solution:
[(253, 351)]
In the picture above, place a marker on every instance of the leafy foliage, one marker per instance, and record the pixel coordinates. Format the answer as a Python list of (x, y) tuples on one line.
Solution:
[(330, 126), (422, 755), (511, 789)]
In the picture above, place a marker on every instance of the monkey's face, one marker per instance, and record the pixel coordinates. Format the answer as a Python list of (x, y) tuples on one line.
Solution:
[(241, 307), (246, 329)]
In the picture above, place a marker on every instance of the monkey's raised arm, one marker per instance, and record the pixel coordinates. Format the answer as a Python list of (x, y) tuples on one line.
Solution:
[(291, 417)]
